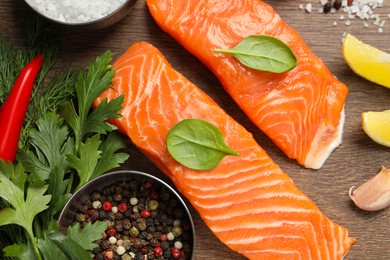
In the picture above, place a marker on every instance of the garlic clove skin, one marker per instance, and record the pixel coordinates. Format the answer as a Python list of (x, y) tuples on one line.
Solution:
[(374, 194)]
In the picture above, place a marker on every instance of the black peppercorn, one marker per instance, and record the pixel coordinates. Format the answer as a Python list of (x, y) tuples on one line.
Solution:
[(151, 229), (99, 256), (126, 224), (97, 250), (154, 242), (337, 4), (138, 243), (117, 197), (95, 196), (104, 244), (165, 245), (141, 225), (327, 7)]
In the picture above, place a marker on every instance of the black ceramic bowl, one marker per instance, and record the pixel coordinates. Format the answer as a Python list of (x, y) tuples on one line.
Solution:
[(101, 23), (72, 207)]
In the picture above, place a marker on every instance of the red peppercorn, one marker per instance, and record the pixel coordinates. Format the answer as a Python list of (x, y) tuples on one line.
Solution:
[(176, 253), (122, 207), (164, 237), (108, 254), (158, 251), (143, 250), (148, 185), (111, 232), (90, 212), (350, 2), (154, 195), (107, 206), (145, 213)]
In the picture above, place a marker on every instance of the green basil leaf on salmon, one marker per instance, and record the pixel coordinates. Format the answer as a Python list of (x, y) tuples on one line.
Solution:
[(197, 144), (264, 53)]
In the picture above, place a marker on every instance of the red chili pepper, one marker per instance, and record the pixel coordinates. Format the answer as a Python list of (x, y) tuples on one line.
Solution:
[(14, 109)]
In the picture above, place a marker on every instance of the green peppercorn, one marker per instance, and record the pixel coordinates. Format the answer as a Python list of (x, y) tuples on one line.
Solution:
[(80, 217), (126, 257), (134, 232), (127, 244), (153, 204), (177, 231)]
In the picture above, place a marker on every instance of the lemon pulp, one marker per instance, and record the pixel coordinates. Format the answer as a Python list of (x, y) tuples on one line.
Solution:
[(366, 60), (377, 126)]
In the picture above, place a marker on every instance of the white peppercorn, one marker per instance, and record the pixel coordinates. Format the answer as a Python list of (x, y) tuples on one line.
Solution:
[(120, 250), (96, 204)]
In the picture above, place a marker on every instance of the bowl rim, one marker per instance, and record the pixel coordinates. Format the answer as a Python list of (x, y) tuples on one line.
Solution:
[(131, 4), (114, 177)]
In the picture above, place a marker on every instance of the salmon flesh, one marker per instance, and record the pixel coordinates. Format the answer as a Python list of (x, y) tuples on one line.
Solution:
[(247, 201), (301, 110)]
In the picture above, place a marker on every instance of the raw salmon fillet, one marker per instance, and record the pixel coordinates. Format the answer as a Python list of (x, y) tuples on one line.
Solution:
[(247, 201), (302, 110)]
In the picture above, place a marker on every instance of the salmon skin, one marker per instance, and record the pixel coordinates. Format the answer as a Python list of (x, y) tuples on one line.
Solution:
[(247, 201), (301, 110)]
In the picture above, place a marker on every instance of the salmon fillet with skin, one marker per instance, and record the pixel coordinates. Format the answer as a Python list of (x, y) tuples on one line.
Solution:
[(247, 201), (301, 110)]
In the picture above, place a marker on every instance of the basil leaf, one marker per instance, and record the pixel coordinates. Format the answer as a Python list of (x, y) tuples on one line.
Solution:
[(197, 144), (264, 53)]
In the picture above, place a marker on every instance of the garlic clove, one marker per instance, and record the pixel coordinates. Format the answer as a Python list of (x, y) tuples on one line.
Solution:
[(374, 194)]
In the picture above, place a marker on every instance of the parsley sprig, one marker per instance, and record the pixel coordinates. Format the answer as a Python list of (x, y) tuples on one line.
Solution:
[(64, 144)]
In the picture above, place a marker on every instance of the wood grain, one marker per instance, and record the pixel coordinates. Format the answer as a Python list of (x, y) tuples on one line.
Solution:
[(355, 161)]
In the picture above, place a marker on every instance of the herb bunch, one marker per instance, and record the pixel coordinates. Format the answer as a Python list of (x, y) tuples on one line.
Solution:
[(63, 145)]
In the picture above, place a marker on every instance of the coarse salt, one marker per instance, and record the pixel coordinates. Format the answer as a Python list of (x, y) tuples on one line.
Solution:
[(75, 11), (308, 8), (362, 9)]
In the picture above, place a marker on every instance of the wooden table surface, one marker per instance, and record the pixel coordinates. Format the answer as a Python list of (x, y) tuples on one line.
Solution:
[(355, 161)]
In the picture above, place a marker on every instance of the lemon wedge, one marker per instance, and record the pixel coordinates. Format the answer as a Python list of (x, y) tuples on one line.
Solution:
[(377, 126), (366, 60)]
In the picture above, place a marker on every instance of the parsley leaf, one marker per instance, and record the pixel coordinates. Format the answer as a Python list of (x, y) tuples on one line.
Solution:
[(20, 251), (109, 157), (51, 143), (24, 210), (68, 246), (50, 250), (87, 236), (89, 156), (96, 121), (90, 84)]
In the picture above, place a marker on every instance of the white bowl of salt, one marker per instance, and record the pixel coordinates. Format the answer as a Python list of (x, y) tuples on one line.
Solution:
[(83, 14)]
